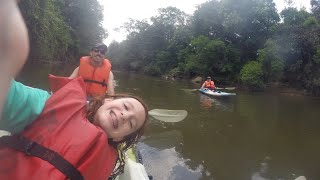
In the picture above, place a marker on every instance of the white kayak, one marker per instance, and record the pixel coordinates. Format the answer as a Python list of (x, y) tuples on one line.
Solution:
[(215, 93)]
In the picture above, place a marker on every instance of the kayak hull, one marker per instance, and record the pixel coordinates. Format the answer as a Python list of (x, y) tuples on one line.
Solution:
[(216, 93)]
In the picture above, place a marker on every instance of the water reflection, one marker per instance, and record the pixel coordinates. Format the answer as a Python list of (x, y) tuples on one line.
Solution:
[(266, 171), (36, 75), (226, 140), (165, 140), (205, 101), (162, 158), (221, 103), (263, 172)]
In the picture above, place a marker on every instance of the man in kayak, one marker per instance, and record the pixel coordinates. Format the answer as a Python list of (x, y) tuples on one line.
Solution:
[(208, 84), (96, 72)]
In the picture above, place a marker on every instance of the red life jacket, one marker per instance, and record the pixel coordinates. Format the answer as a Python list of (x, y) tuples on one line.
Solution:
[(96, 78), (209, 84), (63, 128)]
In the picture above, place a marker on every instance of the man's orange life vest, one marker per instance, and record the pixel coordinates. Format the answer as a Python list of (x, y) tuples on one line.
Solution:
[(209, 84), (96, 78), (63, 128)]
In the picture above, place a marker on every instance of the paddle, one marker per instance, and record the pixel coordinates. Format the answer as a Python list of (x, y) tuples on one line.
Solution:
[(218, 88), (167, 115), (227, 88), (189, 90)]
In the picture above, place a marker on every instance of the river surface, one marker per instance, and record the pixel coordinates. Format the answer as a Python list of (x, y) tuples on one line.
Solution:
[(248, 136)]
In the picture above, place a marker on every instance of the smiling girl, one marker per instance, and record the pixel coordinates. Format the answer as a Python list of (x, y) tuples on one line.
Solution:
[(89, 138)]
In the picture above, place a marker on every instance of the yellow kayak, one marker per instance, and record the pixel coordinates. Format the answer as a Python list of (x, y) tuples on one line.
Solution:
[(133, 170)]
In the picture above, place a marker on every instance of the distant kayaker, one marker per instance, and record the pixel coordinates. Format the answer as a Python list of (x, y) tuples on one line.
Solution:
[(208, 84), (58, 136), (96, 71)]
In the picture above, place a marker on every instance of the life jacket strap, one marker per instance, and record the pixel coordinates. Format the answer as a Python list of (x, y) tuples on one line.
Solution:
[(31, 148), (103, 83)]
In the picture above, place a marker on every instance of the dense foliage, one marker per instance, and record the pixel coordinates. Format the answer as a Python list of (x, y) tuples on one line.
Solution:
[(234, 41), (61, 30), (245, 42)]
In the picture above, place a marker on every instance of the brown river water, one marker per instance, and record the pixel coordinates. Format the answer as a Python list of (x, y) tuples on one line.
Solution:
[(244, 137)]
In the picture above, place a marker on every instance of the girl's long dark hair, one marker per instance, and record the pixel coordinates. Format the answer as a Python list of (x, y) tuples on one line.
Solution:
[(131, 139)]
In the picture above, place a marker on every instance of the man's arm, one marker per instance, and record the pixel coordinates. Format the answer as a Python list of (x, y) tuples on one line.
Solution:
[(14, 45), (74, 73), (214, 86), (110, 88), (202, 85)]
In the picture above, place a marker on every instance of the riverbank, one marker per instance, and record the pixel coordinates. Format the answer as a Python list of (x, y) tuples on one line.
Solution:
[(276, 87)]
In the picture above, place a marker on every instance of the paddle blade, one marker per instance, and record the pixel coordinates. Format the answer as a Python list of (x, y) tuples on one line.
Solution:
[(227, 88), (230, 88), (168, 115), (189, 90)]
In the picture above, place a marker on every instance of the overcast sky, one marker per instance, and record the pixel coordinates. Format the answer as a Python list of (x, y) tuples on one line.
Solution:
[(117, 12)]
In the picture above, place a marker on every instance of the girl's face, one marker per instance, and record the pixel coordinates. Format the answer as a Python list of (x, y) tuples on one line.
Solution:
[(120, 117)]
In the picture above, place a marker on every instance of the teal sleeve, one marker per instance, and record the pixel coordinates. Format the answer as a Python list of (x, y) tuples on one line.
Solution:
[(23, 105)]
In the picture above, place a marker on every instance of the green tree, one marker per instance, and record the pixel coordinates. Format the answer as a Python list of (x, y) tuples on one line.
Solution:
[(271, 62), (315, 8), (84, 17), (205, 56), (49, 34), (292, 16), (151, 47), (208, 20), (251, 75), (246, 23)]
